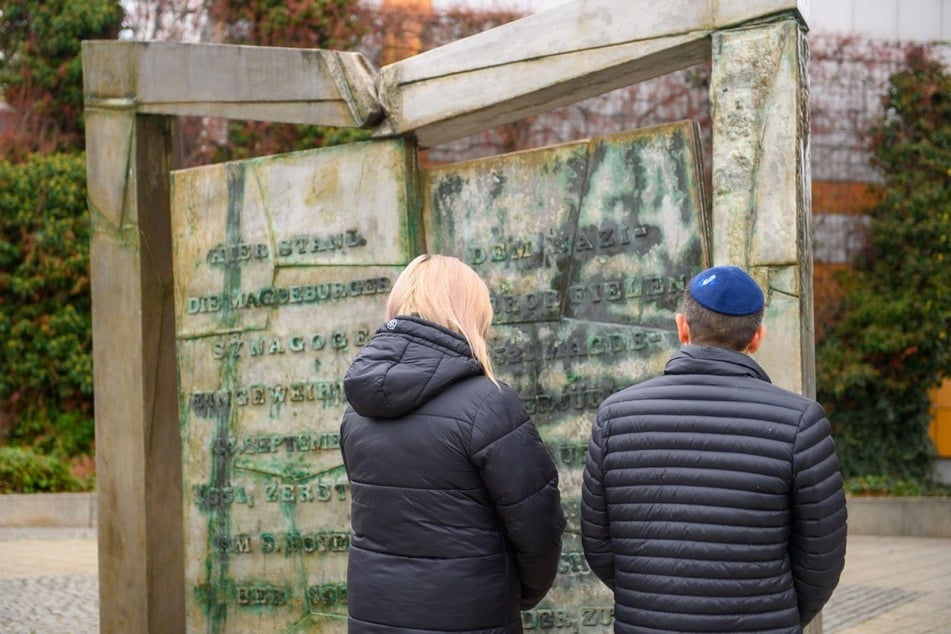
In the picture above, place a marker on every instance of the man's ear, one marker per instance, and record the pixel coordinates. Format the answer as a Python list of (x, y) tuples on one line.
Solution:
[(757, 339), (683, 328)]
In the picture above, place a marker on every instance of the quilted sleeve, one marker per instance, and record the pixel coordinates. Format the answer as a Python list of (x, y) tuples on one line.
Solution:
[(522, 481), (818, 538), (595, 534)]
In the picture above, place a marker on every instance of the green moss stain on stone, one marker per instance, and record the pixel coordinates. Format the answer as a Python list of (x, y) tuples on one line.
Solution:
[(586, 249), (216, 593)]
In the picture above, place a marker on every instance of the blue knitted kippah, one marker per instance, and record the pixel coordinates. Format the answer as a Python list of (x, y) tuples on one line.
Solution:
[(727, 290)]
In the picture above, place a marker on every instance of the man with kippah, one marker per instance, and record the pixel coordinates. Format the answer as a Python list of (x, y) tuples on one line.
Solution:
[(712, 499)]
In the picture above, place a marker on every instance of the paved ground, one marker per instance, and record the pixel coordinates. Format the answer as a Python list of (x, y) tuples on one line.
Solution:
[(891, 585), (48, 581)]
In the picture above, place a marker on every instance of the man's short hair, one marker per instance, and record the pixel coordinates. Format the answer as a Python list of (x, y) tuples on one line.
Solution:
[(708, 328), (723, 307)]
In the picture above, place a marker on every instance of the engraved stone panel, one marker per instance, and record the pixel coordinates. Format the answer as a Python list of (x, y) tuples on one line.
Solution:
[(282, 269), (586, 249)]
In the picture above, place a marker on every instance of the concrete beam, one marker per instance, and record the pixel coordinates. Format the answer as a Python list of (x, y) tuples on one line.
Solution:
[(292, 85), (553, 58)]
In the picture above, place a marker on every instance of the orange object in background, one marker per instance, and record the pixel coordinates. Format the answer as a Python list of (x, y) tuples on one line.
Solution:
[(940, 430), (403, 38)]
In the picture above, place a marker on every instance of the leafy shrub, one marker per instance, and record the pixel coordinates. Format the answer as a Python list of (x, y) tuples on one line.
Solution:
[(41, 69), (23, 470), (884, 486), (67, 434), (45, 321)]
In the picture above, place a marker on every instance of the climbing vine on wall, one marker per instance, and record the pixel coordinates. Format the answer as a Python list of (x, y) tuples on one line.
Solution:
[(891, 343)]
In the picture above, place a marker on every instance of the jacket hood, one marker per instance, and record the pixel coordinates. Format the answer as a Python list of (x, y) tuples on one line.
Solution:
[(694, 359), (406, 363)]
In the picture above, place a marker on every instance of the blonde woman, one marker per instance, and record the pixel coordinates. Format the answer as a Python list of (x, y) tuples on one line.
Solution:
[(455, 514)]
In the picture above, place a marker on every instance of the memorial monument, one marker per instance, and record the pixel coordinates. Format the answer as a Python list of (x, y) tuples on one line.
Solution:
[(228, 299)]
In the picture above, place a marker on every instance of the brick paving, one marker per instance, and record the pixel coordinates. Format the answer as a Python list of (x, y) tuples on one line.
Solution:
[(891, 585)]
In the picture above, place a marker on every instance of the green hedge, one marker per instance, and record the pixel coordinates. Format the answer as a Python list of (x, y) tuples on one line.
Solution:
[(23, 470), (45, 322), (885, 486)]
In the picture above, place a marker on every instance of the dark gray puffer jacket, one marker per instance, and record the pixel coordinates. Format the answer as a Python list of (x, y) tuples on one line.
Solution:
[(456, 516), (712, 500)]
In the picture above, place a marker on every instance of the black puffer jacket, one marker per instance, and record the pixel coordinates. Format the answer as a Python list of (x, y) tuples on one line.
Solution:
[(456, 517), (712, 500)]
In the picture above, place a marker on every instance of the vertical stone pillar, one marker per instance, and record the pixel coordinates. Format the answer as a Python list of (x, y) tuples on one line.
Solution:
[(132, 93), (138, 449), (762, 204), (761, 196)]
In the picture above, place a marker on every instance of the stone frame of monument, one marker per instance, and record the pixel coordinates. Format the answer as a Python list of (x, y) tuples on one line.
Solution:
[(761, 203)]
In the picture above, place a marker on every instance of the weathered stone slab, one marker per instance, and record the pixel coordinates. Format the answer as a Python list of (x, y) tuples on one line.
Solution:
[(586, 249), (283, 266), (282, 269)]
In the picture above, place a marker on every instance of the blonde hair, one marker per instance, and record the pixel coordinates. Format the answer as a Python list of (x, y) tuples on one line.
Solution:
[(446, 291)]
